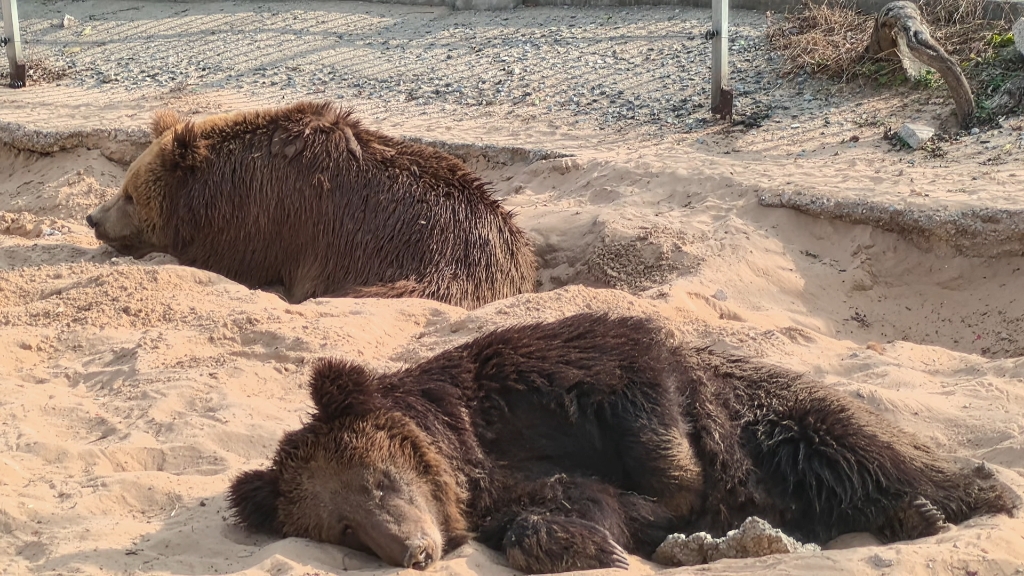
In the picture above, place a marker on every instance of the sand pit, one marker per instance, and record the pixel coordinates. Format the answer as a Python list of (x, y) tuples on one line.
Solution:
[(135, 390), (131, 392)]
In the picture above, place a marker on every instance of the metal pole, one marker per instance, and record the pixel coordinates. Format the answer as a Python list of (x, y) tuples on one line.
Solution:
[(12, 39), (719, 49)]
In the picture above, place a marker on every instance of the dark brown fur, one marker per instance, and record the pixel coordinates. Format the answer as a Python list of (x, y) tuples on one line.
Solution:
[(567, 444), (304, 197)]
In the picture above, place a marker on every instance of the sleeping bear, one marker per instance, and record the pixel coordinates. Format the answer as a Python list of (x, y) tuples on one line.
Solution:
[(570, 444)]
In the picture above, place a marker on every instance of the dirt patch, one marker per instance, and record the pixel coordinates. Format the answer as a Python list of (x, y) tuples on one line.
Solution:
[(652, 259)]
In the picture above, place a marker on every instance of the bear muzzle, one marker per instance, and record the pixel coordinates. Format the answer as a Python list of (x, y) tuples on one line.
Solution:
[(418, 553), (420, 556), (89, 220)]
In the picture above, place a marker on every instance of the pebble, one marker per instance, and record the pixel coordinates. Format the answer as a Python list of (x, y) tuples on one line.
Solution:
[(880, 562)]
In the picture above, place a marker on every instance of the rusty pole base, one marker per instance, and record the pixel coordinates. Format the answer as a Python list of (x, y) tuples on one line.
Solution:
[(724, 106), (19, 76)]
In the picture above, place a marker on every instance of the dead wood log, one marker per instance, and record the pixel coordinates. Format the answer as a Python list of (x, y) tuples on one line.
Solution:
[(900, 29)]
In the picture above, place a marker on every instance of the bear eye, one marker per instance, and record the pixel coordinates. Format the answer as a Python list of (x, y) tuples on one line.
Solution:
[(346, 530), (378, 489)]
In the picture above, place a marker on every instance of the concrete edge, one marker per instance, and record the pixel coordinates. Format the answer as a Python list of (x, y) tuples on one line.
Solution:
[(124, 145), (492, 153), (971, 232)]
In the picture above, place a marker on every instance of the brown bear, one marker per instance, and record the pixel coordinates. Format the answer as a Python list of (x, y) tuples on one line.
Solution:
[(569, 444), (306, 201)]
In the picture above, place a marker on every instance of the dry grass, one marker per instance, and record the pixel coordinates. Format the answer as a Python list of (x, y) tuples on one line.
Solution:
[(828, 39)]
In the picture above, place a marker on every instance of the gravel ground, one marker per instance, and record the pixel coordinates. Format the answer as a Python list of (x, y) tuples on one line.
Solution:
[(623, 68)]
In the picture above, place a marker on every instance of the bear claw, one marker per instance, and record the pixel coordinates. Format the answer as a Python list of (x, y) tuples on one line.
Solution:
[(926, 519), (929, 513), (618, 558), (547, 544)]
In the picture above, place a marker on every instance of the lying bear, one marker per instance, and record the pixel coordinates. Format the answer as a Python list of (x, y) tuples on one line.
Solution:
[(569, 444), (305, 201)]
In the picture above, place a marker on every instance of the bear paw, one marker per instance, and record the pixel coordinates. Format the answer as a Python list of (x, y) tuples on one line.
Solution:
[(546, 545), (930, 520), (915, 518)]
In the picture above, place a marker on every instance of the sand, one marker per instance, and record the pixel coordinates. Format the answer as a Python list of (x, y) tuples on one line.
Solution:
[(131, 392)]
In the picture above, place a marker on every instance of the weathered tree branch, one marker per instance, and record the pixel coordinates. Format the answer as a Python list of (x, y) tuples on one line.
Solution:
[(900, 28)]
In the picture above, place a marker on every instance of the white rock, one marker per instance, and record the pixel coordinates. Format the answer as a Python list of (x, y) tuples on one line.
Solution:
[(753, 539), (68, 21), (1018, 34), (916, 134)]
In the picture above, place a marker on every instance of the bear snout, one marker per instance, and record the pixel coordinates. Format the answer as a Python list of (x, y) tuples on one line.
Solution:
[(89, 220), (420, 555)]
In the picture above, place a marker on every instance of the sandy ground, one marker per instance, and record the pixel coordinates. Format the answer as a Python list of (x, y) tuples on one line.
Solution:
[(132, 391)]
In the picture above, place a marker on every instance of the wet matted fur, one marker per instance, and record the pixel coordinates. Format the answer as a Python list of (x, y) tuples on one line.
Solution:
[(306, 201), (567, 444)]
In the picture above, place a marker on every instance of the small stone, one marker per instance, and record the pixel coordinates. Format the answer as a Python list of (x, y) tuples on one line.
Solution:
[(720, 295), (975, 131), (68, 21), (879, 562), (915, 135)]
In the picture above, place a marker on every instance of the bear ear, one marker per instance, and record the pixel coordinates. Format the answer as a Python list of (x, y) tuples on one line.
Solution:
[(340, 389), (284, 141), (163, 120), (253, 498), (187, 147)]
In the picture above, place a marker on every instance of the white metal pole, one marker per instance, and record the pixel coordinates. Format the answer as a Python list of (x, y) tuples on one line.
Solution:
[(719, 49), (13, 36)]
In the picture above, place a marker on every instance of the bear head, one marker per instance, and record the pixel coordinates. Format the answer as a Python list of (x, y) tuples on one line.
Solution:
[(133, 221), (359, 475)]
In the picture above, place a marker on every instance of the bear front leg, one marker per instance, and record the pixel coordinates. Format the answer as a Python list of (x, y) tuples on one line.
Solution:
[(560, 523), (550, 544)]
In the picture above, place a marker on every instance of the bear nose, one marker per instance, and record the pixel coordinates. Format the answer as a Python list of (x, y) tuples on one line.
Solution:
[(419, 557), (90, 221)]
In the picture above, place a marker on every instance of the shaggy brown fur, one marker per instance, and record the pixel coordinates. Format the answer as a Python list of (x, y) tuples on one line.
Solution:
[(305, 200), (568, 444)]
